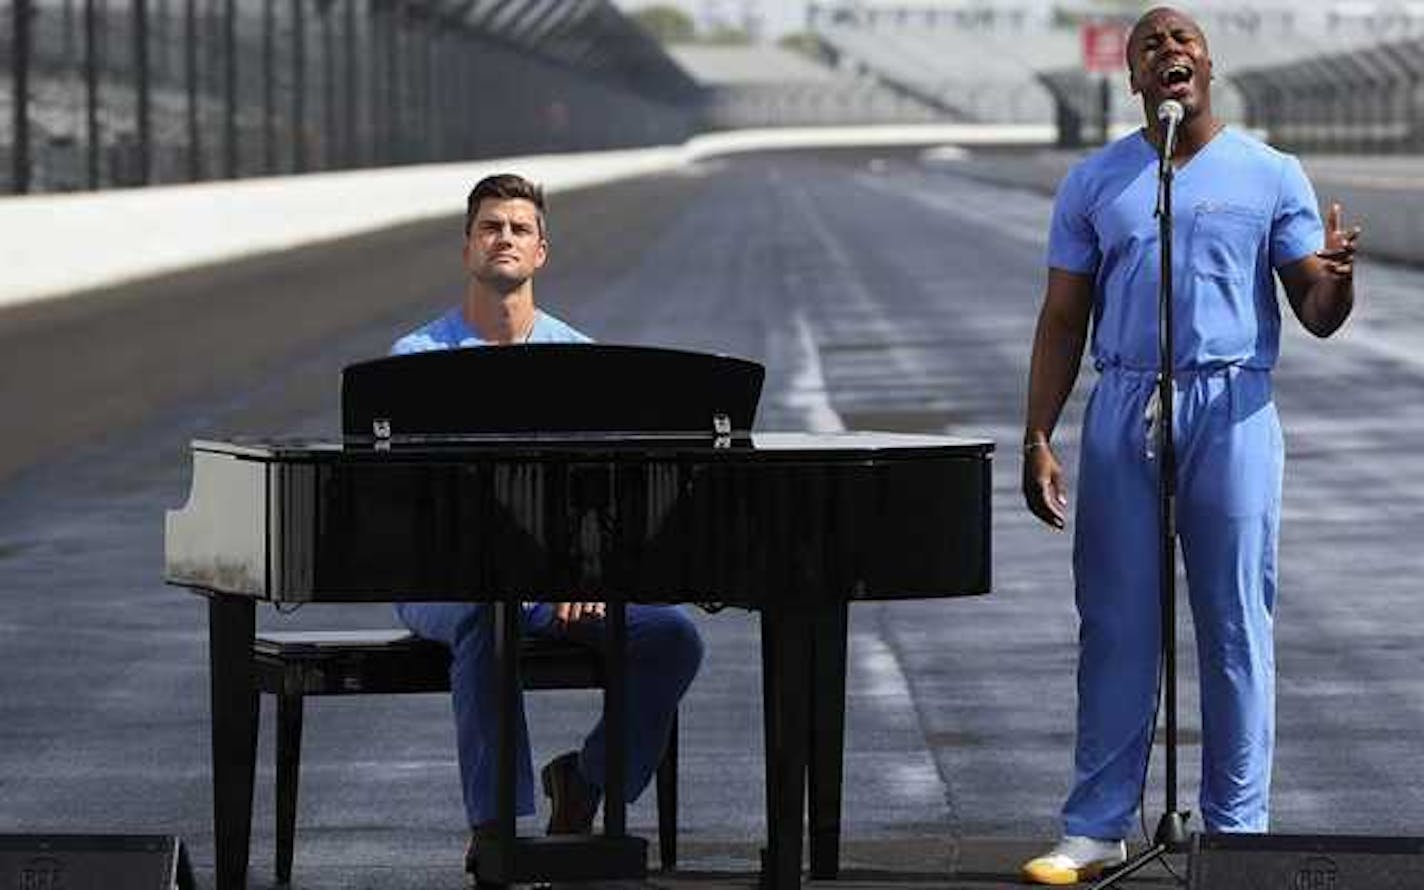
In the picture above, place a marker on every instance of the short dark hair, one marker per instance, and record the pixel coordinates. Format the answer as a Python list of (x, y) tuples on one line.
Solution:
[(1148, 16), (505, 187)]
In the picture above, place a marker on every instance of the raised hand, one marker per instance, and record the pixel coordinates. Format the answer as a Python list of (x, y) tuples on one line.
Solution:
[(1340, 244)]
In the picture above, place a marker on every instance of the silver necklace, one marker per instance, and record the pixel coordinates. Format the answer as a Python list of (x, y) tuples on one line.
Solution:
[(529, 331)]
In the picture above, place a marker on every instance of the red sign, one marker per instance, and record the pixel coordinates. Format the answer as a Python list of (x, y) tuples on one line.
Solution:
[(1104, 47)]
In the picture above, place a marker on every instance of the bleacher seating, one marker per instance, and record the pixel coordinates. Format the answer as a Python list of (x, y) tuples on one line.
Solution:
[(758, 86), (1009, 65)]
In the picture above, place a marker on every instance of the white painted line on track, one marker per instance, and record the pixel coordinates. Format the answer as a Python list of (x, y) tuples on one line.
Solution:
[(870, 317), (880, 689), (808, 384)]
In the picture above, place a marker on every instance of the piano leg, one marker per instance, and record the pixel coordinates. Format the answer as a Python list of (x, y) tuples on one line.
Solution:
[(827, 741), (231, 626), (771, 735), (786, 676), (507, 633), (615, 724)]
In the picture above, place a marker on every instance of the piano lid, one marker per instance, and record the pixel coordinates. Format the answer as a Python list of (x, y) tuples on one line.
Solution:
[(548, 388), (771, 447)]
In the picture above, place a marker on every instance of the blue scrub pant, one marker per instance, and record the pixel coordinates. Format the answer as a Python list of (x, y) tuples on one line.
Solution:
[(1229, 458), (663, 654)]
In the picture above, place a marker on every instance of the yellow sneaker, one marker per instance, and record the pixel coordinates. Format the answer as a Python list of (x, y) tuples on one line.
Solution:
[(1075, 859)]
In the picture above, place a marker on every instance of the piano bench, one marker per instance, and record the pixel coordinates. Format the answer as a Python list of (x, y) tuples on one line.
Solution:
[(294, 664)]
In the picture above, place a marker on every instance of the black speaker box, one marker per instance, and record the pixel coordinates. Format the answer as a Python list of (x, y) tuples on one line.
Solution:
[(93, 862), (1305, 862)]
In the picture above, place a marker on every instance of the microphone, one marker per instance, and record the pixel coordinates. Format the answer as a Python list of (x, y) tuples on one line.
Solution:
[(1170, 113)]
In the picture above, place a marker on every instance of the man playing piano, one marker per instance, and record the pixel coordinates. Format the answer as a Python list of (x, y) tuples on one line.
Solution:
[(1243, 211), (506, 243)]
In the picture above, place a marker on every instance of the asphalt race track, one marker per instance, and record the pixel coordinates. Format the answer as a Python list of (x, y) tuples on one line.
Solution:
[(881, 293)]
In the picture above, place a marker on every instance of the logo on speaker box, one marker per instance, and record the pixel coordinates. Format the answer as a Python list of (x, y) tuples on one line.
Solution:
[(1318, 873), (42, 873)]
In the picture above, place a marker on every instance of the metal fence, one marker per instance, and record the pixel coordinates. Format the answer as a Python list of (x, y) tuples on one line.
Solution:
[(1367, 100), (101, 93)]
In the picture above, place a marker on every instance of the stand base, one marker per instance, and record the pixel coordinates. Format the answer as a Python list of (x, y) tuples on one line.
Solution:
[(562, 858), (1171, 837)]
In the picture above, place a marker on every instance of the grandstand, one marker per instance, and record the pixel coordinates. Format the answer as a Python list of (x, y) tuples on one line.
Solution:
[(1280, 67), (762, 86), (969, 74)]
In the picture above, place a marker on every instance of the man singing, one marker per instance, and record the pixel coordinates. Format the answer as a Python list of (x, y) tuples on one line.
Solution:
[(1241, 211)]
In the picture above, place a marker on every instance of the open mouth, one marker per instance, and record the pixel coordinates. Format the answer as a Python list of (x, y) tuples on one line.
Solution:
[(1175, 75)]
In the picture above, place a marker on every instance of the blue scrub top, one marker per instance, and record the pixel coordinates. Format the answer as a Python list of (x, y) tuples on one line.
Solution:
[(1239, 208), (450, 331)]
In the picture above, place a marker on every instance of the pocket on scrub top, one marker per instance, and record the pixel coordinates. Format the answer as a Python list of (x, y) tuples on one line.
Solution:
[(1226, 240)]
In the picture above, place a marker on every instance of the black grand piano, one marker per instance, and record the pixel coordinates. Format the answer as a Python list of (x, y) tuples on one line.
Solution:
[(525, 472)]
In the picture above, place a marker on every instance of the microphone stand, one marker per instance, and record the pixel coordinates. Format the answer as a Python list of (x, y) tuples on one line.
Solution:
[(1171, 835)]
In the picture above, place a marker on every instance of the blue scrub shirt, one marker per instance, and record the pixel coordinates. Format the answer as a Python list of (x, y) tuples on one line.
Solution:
[(450, 331), (1239, 209)]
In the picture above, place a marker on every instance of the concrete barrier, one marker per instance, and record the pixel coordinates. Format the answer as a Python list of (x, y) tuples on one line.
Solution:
[(51, 245), (57, 244)]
